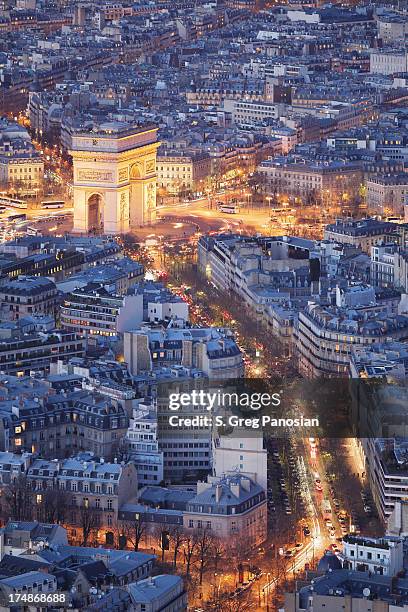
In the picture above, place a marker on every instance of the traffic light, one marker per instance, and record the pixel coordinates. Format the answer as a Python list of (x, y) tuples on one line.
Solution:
[(165, 539)]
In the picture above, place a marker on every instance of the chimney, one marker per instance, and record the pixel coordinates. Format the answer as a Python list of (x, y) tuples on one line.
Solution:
[(246, 484), (218, 493), (235, 489)]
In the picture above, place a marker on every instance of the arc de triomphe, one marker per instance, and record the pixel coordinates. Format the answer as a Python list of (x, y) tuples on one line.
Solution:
[(114, 177)]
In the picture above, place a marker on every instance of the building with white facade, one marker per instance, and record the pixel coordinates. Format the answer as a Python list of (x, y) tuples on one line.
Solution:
[(388, 61), (383, 264), (94, 311), (325, 179), (386, 460), (386, 195), (239, 454), (210, 350), (382, 556), (325, 336), (179, 173), (21, 166), (142, 444)]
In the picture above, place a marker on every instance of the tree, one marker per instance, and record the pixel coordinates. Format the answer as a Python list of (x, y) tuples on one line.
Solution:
[(190, 546), (18, 500), (52, 505), (177, 537), (221, 603), (205, 545), (163, 540), (134, 530), (89, 522), (218, 550)]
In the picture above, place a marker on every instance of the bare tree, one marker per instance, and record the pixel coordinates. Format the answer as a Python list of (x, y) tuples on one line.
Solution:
[(89, 522), (18, 500), (205, 545), (176, 534), (52, 507), (222, 603), (163, 540), (134, 530), (190, 547), (218, 551)]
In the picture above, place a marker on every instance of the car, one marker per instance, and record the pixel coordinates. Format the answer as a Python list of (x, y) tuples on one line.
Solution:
[(334, 547), (288, 511), (319, 488), (306, 531), (299, 545), (367, 509), (336, 503), (289, 553)]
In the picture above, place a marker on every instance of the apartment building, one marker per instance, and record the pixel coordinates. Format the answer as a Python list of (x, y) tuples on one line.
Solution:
[(327, 180), (343, 589), (386, 195), (379, 556), (247, 112), (362, 233), (386, 462), (178, 173), (247, 455), (142, 444), (388, 61), (19, 537), (94, 311), (21, 167), (98, 485), (22, 352), (383, 264), (379, 361), (27, 295), (230, 508), (210, 350), (325, 336), (59, 425)]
